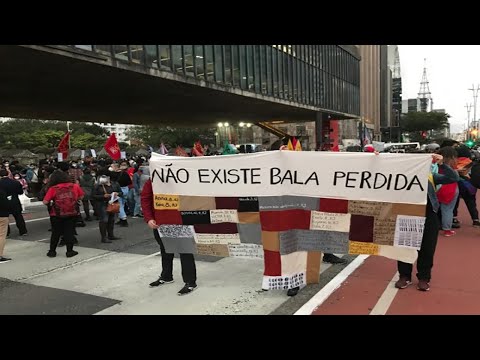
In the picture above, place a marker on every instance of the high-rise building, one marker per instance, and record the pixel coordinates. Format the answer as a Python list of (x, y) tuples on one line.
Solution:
[(120, 130)]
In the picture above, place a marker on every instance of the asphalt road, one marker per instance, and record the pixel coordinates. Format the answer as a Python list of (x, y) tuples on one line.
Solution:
[(113, 278)]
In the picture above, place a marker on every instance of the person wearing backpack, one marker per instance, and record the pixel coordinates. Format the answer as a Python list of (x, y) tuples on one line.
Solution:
[(63, 197), (4, 213)]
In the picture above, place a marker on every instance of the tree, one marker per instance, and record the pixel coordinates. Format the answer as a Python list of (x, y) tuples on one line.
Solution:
[(424, 121), (186, 137), (36, 135)]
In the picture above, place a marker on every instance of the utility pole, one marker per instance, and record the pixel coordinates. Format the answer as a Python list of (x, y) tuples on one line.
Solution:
[(475, 96), (469, 109)]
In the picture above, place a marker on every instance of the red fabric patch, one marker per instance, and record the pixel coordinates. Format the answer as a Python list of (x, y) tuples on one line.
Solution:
[(168, 217), (285, 220), (361, 228), (227, 203), (273, 263), (223, 228), (334, 206)]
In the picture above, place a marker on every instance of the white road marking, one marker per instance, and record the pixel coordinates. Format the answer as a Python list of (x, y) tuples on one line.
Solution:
[(334, 284), (383, 304), (33, 220)]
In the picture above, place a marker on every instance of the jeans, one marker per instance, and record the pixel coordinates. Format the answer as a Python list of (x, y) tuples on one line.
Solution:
[(138, 204), (447, 213), (123, 200), (131, 201)]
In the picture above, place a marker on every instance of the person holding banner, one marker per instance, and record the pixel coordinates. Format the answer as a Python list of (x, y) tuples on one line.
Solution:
[(431, 229), (189, 271)]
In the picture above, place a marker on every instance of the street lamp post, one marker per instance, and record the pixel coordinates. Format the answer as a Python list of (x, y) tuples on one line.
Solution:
[(475, 96)]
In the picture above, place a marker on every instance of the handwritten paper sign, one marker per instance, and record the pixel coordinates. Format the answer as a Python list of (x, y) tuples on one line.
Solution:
[(389, 178), (330, 221), (213, 250), (223, 216), (246, 250), (357, 247), (93, 152), (123, 155), (384, 231), (217, 238), (166, 202), (60, 157)]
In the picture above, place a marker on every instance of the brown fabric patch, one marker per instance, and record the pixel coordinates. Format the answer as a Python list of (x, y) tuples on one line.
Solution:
[(213, 249), (249, 218), (192, 203), (409, 209), (271, 241), (313, 267)]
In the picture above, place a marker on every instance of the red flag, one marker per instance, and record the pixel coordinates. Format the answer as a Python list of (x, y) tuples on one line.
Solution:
[(63, 146), (112, 148)]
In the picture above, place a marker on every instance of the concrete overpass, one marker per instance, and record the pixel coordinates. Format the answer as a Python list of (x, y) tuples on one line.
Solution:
[(69, 83)]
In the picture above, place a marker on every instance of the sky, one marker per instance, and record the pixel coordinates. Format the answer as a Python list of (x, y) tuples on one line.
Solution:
[(451, 71)]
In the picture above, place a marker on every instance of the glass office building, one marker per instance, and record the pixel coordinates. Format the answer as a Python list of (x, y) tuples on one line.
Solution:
[(326, 77)]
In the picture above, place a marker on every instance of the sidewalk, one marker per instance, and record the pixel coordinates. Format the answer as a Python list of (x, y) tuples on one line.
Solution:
[(454, 288)]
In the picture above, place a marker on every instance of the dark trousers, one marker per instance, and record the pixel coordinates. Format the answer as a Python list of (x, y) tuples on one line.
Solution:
[(470, 201), (427, 250), (62, 227), (20, 222), (86, 207), (189, 271)]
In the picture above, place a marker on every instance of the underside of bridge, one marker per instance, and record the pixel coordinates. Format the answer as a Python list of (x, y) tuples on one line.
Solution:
[(55, 85)]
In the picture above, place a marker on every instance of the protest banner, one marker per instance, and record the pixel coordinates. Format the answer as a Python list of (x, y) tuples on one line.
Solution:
[(288, 207)]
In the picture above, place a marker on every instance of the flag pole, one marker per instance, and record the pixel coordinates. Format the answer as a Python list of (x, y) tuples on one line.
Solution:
[(68, 130)]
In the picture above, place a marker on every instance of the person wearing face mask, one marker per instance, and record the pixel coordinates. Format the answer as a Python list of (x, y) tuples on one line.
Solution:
[(87, 183), (75, 172), (13, 189), (102, 194), (124, 181)]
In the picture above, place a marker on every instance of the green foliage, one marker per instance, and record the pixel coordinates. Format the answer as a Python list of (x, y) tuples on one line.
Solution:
[(424, 121), (44, 136), (185, 137)]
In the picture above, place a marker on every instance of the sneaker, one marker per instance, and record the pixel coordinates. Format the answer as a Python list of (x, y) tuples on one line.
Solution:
[(124, 223), (187, 289), (134, 217), (332, 259), (72, 253), (456, 225), (476, 223), (160, 281), (293, 292), (4, 260), (51, 253), (114, 238), (24, 234), (403, 282), (448, 233), (423, 285)]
